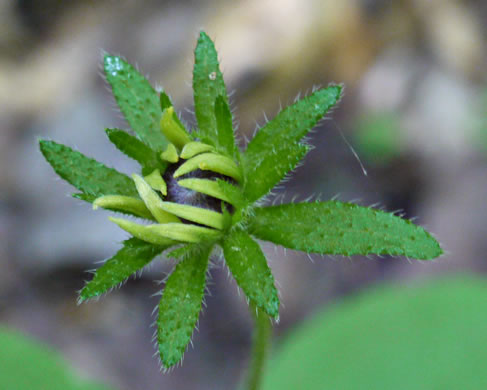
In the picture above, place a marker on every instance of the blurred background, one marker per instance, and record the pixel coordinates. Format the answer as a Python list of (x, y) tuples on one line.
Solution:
[(414, 110)]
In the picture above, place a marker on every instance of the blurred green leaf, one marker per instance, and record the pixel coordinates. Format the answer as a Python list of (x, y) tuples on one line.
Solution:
[(87, 175), (134, 256), (478, 121), (342, 229), (430, 336), (28, 365), (248, 265), (138, 101), (276, 149), (377, 137)]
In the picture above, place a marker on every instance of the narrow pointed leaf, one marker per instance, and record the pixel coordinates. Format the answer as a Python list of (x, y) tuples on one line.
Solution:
[(224, 125), (180, 306), (276, 148), (208, 84), (342, 229), (87, 175), (248, 265), (134, 256), (136, 149), (138, 101)]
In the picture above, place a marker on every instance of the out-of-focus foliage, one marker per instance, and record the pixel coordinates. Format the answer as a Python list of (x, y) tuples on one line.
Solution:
[(26, 364), (480, 122), (377, 137), (402, 338)]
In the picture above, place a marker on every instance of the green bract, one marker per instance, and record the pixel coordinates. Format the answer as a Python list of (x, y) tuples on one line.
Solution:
[(198, 191)]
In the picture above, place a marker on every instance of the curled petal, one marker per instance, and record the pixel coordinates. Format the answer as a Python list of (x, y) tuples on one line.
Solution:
[(163, 234), (211, 162), (142, 232), (193, 148), (207, 187), (153, 201), (170, 154), (173, 129), (123, 203), (195, 214), (156, 181)]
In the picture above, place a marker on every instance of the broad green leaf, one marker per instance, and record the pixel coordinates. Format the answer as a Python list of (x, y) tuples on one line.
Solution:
[(224, 126), (180, 305), (248, 265), (276, 149), (342, 229), (403, 337), (87, 175), (134, 255), (136, 149), (138, 101), (208, 84), (28, 364)]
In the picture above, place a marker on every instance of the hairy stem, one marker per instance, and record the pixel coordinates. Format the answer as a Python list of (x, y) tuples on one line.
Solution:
[(260, 346)]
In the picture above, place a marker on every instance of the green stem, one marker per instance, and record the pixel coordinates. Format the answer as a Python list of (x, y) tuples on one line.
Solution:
[(260, 346)]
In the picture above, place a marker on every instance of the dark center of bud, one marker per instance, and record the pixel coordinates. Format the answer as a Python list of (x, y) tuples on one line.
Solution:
[(182, 195)]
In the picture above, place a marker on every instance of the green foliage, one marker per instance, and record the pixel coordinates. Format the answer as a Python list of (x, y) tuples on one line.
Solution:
[(249, 267), (134, 255), (138, 101), (377, 137), (27, 364), (208, 85), (180, 305), (339, 228), (276, 149), (429, 336), (87, 175), (218, 189), (224, 127), (136, 149)]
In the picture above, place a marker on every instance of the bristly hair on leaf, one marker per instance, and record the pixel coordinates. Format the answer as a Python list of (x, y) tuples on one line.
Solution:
[(197, 191)]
